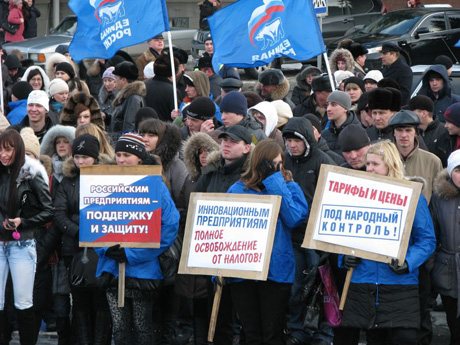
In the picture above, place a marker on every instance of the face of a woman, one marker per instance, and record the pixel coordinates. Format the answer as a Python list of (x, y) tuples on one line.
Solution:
[(62, 75), (127, 159), (341, 65), (109, 84), (375, 165), (7, 155), (61, 97), (82, 160), (150, 140), (278, 160), (456, 177), (354, 92), (63, 147), (84, 117), (30, 3), (36, 82), (202, 156)]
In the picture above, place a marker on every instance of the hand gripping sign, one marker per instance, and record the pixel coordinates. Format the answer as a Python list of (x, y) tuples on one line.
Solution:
[(361, 214), (120, 205)]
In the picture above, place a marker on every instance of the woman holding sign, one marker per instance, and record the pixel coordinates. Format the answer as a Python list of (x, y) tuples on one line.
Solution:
[(262, 305), (383, 298)]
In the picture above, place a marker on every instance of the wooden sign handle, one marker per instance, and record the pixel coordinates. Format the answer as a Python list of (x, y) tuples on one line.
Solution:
[(345, 288), (121, 284), (215, 309)]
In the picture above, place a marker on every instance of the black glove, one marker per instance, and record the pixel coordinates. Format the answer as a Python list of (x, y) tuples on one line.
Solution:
[(404, 268), (350, 261), (266, 168), (116, 253)]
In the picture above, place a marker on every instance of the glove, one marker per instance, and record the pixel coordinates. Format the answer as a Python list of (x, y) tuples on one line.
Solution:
[(350, 261), (116, 253), (404, 268), (266, 168)]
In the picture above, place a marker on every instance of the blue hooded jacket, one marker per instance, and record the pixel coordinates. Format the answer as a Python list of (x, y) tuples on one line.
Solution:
[(143, 263), (293, 211), (18, 111)]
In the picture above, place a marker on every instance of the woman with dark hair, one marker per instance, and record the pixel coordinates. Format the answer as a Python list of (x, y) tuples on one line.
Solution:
[(262, 305), (66, 72), (31, 13), (25, 208), (37, 78)]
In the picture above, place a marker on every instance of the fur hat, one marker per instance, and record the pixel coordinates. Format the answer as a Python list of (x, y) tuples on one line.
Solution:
[(388, 82), (357, 49), (68, 116), (321, 83), (31, 142), (162, 67), (48, 146), (421, 102), (271, 76), (57, 86), (126, 70), (385, 98)]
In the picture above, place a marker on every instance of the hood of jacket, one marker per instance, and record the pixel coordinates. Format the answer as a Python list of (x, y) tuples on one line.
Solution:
[(170, 144), (303, 129), (68, 116), (426, 90), (346, 55), (201, 82), (46, 79), (192, 147), (444, 187), (270, 113), (134, 88), (215, 161), (279, 93), (30, 169), (52, 61), (301, 78), (48, 145)]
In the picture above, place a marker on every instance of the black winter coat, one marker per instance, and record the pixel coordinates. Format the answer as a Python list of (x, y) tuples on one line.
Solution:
[(402, 73), (337, 158), (309, 106), (160, 96), (30, 29), (437, 140)]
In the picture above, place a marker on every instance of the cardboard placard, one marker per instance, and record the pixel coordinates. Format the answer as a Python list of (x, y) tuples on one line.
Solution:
[(362, 214), (229, 235)]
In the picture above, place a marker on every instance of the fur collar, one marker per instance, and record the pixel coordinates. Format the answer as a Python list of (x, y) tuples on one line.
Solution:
[(279, 93), (134, 88), (48, 145), (192, 147), (95, 70), (444, 187), (214, 160), (30, 169)]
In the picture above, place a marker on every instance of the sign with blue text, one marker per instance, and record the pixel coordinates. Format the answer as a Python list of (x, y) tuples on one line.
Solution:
[(120, 205), (362, 214)]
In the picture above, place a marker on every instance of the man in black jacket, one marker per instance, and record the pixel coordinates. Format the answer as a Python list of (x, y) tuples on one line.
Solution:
[(354, 143)]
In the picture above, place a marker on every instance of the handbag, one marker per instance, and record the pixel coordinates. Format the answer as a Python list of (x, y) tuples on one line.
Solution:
[(331, 299), (83, 269), (169, 261), (312, 298), (60, 276), (11, 28)]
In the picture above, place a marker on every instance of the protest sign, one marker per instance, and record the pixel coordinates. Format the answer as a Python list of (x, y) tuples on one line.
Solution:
[(229, 235), (120, 205), (362, 214)]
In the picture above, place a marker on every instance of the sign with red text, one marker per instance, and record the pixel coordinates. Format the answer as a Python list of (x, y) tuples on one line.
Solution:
[(229, 235), (120, 205), (362, 214)]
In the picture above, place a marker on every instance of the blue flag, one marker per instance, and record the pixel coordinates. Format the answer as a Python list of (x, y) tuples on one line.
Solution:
[(105, 26), (252, 33)]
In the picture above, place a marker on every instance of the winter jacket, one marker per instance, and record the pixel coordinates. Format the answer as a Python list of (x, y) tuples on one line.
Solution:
[(344, 54), (18, 111), (423, 164), (128, 101), (160, 96), (444, 206), (252, 125), (93, 77), (25, 123), (437, 140), (143, 263), (358, 71), (215, 81), (402, 73), (293, 212), (148, 56), (68, 116), (299, 95), (280, 93), (375, 134), (30, 30), (35, 205), (303, 90), (192, 148), (445, 97), (45, 78), (15, 17), (337, 158), (309, 106), (305, 168), (331, 135), (105, 100)]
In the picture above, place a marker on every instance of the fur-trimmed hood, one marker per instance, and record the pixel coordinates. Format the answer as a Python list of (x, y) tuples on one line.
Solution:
[(95, 69), (444, 187), (30, 169), (215, 158), (134, 88), (48, 145), (192, 147), (418, 179), (53, 60), (170, 144), (70, 170), (69, 118), (346, 55), (46, 79), (302, 76), (279, 93)]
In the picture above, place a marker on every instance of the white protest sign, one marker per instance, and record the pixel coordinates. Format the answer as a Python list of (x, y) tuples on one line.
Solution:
[(229, 235), (360, 211)]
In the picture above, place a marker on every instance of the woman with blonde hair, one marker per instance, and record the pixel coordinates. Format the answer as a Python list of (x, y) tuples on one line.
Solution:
[(383, 298), (91, 128)]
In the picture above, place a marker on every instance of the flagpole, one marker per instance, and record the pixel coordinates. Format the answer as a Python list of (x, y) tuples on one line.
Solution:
[(173, 69), (331, 80)]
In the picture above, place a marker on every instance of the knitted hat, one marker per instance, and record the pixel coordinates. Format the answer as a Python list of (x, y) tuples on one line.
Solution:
[(315, 122), (148, 70), (126, 70), (162, 67), (444, 60), (67, 68), (341, 98), (452, 114), (131, 143), (31, 142), (284, 112), (201, 108), (421, 102), (86, 145), (234, 102), (321, 83), (12, 62), (4, 123), (58, 85), (21, 90), (144, 114), (237, 133), (374, 75), (354, 80), (385, 98), (108, 73), (404, 118), (39, 97), (271, 76), (340, 76), (453, 161), (353, 137)]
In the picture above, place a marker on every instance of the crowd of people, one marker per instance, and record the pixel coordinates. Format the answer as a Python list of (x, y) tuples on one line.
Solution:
[(221, 139)]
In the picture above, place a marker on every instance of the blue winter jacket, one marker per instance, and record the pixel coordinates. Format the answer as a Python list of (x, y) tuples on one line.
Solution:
[(143, 263), (293, 211), (422, 244), (18, 111)]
